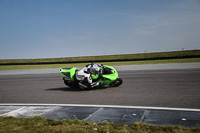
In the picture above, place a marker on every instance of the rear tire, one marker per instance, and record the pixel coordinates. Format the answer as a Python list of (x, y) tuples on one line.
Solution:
[(69, 83)]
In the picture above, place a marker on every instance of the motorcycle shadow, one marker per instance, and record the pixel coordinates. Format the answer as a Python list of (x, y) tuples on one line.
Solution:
[(74, 89)]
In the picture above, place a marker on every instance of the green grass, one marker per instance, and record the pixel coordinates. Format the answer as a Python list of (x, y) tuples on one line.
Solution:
[(107, 57), (21, 67), (38, 124)]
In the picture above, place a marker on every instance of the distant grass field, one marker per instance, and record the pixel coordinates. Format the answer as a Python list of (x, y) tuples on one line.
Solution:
[(38, 124), (21, 67), (153, 58), (107, 57)]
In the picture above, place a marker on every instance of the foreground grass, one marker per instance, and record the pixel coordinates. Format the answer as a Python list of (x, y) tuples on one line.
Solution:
[(21, 67), (38, 124)]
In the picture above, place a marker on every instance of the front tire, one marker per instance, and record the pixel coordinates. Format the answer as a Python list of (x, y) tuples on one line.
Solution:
[(117, 82)]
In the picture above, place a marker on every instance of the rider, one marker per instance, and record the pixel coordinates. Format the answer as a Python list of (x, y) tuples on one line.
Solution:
[(86, 72)]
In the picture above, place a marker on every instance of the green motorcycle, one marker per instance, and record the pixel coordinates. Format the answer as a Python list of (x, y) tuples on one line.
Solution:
[(108, 77)]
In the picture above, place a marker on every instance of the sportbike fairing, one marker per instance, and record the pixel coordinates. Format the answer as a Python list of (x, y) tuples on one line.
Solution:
[(108, 76)]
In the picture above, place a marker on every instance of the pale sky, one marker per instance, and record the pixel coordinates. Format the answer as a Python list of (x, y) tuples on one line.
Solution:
[(68, 28)]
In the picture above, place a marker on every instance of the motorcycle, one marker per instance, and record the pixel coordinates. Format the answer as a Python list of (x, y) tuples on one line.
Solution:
[(109, 77)]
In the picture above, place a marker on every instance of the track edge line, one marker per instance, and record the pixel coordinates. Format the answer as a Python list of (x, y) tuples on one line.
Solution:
[(102, 106)]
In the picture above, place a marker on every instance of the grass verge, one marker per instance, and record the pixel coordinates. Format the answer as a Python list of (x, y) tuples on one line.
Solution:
[(21, 67), (38, 124), (157, 55)]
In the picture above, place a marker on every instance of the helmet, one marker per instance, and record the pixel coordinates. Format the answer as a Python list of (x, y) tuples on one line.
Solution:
[(94, 69)]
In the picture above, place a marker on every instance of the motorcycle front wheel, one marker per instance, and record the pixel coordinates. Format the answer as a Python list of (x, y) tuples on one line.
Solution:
[(117, 82)]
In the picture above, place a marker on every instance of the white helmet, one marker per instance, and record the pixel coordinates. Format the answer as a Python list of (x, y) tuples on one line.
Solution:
[(94, 69)]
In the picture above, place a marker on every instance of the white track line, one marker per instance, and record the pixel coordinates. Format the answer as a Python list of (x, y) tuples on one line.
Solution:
[(103, 106)]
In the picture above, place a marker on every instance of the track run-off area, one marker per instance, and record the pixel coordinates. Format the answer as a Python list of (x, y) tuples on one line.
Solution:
[(170, 85)]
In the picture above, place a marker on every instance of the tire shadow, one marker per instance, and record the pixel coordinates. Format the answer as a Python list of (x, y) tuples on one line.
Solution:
[(74, 89), (64, 89)]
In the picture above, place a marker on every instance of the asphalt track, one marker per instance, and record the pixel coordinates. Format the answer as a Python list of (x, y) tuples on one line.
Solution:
[(158, 88), (164, 94)]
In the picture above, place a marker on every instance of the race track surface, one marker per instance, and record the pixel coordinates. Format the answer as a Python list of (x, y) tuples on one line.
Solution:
[(157, 88)]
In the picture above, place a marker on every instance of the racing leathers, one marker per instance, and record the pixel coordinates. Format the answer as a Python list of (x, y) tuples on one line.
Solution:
[(85, 73)]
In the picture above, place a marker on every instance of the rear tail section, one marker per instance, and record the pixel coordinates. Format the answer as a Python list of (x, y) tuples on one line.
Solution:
[(69, 73)]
